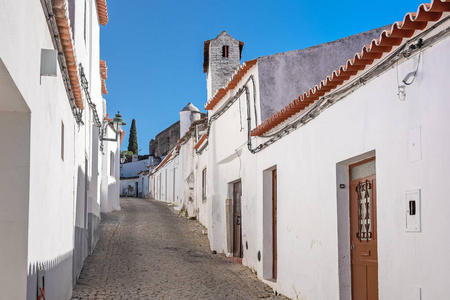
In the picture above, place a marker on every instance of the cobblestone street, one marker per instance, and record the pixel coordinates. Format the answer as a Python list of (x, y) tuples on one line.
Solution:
[(146, 251)]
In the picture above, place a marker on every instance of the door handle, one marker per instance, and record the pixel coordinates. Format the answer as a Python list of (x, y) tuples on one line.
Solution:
[(238, 220), (352, 247)]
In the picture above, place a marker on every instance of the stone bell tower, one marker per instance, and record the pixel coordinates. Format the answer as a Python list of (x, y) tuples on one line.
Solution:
[(222, 56)]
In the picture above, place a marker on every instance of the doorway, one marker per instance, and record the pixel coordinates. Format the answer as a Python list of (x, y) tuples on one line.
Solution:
[(237, 221), (363, 230), (274, 224)]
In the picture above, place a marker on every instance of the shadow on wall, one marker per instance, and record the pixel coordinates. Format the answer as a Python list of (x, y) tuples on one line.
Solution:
[(80, 251), (57, 275)]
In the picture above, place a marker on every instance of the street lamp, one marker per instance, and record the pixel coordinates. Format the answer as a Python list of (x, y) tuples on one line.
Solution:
[(116, 124), (123, 158)]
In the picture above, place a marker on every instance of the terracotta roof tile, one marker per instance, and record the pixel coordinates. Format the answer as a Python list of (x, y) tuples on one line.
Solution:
[(243, 69), (65, 34), (102, 11), (200, 141), (104, 75), (165, 160), (428, 12)]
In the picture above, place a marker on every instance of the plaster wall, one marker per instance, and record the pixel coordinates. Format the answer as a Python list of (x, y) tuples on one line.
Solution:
[(202, 206), (229, 161), (311, 162), (314, 159), (176, 181), (285, 76), (111, 183), (144, 186), (50, 177), (186, 119), (169, 180), (61, 223), (133, 168), (14, 205), (128, 187)]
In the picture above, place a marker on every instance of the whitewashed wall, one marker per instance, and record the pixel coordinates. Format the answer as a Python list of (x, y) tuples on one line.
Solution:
[(47, 203), (131, 169), (202, 207), (178, 181), (228, 162), (313, 160), (128, 187)]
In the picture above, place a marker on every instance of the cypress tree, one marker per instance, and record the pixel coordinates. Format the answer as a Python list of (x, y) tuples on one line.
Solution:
[(132, 139)]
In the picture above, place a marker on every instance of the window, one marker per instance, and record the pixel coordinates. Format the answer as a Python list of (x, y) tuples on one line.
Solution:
[(62, 140), (225, 51), (111, 163), (204, 184)]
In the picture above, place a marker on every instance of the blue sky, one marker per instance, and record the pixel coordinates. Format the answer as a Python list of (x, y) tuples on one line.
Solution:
[(154, 49)]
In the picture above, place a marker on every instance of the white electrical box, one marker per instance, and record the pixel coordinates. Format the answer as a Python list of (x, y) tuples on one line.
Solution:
[(49, 62), (413, 211)]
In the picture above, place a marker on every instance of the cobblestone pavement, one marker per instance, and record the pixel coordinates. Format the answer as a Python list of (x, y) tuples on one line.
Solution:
[(146, 251)]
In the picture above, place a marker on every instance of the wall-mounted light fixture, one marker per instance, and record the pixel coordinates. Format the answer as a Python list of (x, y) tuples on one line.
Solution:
[(116, 123)]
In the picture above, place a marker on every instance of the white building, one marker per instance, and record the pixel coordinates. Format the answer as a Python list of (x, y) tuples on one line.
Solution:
[(55, 166), (338, 193), (134, 176), (176, 179)]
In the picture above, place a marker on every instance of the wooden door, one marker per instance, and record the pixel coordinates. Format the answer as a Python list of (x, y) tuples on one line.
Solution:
[(274, 223), (237, 230), (363, 230)]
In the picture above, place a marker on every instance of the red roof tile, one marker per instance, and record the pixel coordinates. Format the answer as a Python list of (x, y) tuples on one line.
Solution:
[(388, 38), (102, 11), (65, 34), (164, 160), (200, 141), (243, 69), (104, 75)]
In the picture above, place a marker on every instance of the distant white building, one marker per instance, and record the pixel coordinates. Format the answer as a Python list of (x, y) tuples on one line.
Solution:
[(130, 183), (58, 171), (324, 175)]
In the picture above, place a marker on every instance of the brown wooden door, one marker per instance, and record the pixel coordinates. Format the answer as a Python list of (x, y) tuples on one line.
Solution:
[(237, 230), (363, 230), (274, 223)]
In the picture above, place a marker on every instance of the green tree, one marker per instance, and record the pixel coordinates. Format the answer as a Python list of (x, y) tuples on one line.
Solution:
[(132, 139)]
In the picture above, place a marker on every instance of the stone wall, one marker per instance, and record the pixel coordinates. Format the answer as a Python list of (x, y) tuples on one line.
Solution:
[(165, 140), (222, 68)]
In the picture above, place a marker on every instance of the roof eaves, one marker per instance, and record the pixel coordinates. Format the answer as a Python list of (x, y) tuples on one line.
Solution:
[(104, 76), (102, 11), (234, 80), (65, 34), (200, 141), (388, 39)]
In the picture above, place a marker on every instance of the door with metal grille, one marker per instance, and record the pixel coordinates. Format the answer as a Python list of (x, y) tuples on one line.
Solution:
[(363, 231)]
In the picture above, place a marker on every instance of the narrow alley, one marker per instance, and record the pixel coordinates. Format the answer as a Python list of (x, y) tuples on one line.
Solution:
[(146, 251)]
